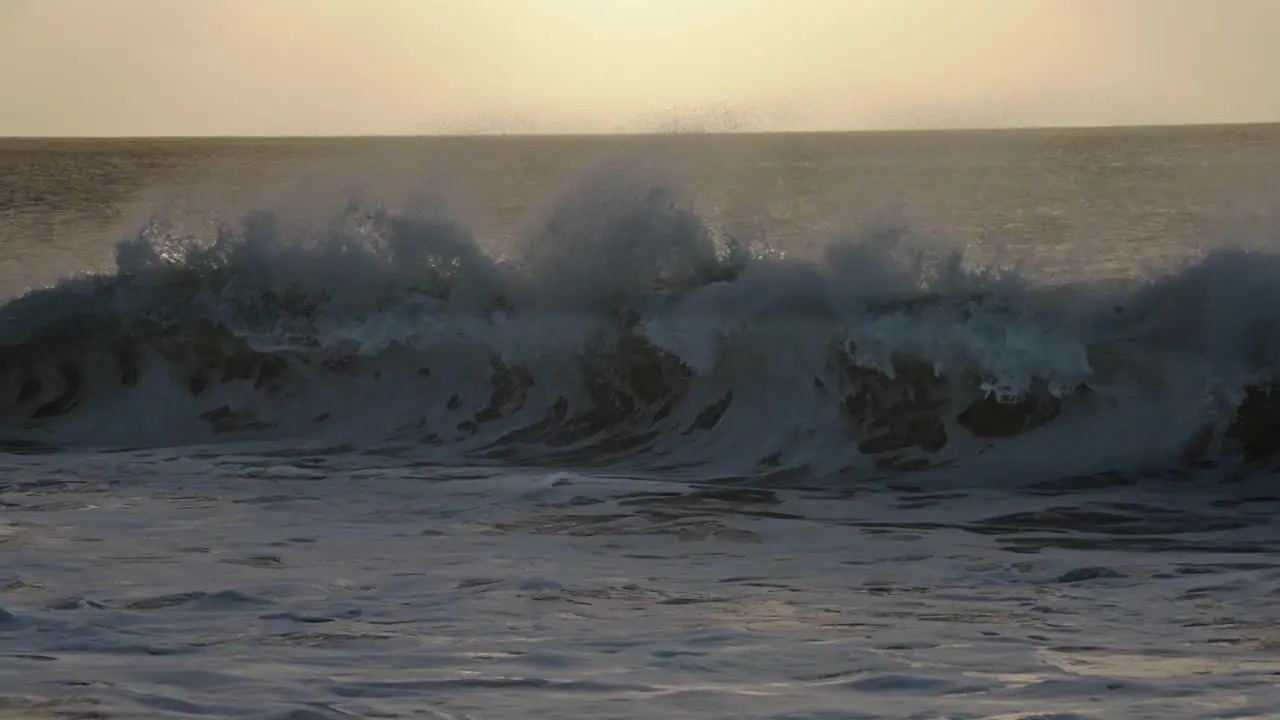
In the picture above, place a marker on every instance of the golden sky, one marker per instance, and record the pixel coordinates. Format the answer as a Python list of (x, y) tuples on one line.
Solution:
[(284, 67)]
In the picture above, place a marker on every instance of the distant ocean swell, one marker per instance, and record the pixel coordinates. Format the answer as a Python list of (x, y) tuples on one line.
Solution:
[(628, 332)]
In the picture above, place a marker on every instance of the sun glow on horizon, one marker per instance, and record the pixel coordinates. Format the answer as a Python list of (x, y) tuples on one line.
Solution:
[(397, 66)]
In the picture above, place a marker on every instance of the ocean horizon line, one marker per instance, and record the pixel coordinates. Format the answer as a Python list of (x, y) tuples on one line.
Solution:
[(488, 135)]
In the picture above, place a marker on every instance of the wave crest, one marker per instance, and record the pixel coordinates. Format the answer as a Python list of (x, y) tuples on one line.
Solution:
[(628, 328)]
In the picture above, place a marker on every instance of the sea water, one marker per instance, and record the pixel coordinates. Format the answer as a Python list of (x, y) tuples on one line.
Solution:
[(918, 425)]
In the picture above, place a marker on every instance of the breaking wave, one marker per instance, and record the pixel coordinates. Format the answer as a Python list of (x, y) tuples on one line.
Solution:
[(626, 331)]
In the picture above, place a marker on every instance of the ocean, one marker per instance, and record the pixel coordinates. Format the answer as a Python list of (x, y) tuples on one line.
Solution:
[(972, 424)]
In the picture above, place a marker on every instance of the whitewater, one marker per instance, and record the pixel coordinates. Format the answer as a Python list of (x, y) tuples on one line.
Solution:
[(971, 425)]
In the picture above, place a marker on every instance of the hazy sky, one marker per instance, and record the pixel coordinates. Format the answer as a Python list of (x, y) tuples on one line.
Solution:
[(267, 67)]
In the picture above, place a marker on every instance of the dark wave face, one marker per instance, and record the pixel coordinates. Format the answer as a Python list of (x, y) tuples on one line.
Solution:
[(627, 332)]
